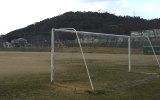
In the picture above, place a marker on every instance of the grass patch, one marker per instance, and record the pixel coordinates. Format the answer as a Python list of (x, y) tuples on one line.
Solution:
[(104, 74), (33, 87), (24, 87)]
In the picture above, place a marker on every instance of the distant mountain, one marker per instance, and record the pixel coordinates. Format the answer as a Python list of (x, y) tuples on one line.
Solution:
[(83, 21)]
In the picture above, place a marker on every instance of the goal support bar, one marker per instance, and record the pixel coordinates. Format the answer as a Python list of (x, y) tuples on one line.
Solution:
[(52, 55)]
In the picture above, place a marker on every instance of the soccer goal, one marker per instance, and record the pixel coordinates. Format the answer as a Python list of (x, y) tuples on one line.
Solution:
[(102, 61)]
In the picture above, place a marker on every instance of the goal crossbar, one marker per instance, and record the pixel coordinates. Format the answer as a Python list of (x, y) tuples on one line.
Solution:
[(72, 30)]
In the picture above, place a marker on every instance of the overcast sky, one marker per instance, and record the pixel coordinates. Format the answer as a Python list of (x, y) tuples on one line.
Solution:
[(15, 14)]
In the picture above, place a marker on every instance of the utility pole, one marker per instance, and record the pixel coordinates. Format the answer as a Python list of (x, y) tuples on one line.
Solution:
[(133, 13)]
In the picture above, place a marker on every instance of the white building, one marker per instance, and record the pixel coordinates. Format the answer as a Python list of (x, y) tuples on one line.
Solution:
[(149, 33)]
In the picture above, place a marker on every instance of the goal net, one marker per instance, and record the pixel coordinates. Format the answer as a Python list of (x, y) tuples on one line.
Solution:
[(100, 61)]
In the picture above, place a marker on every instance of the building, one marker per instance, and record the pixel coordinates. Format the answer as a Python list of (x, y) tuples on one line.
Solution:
[(149, 33), (18, 42)]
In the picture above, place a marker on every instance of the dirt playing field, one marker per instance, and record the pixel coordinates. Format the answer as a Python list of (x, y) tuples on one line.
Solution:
[(25, 63), (18, 63)]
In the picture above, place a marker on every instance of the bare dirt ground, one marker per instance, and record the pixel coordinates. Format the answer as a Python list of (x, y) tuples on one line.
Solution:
[(18, 63), (24, 63)]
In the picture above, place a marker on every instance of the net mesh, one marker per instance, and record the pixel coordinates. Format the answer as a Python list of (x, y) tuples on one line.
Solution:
[(107, 61)]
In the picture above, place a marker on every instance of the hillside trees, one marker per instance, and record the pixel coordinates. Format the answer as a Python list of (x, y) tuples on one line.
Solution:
[(84, 21)]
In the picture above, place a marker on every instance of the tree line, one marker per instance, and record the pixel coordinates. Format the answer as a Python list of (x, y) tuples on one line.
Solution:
[(83, 21)]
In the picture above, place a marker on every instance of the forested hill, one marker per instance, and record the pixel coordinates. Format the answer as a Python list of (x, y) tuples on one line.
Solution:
[(84, 21)]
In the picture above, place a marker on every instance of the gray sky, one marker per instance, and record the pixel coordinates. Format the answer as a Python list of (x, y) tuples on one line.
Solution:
[(17, 14)]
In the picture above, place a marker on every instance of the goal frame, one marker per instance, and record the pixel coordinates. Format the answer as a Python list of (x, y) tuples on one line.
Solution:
[(72, 30)]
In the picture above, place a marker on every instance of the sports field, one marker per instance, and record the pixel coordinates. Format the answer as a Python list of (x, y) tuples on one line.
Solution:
[(26, 76)]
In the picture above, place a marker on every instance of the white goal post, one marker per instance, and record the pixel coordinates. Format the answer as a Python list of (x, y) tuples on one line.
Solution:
[(72, 30)]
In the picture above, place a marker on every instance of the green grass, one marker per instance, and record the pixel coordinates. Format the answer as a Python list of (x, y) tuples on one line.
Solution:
[(38, 87), (23, 87), (105, 75), (86, 49)]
